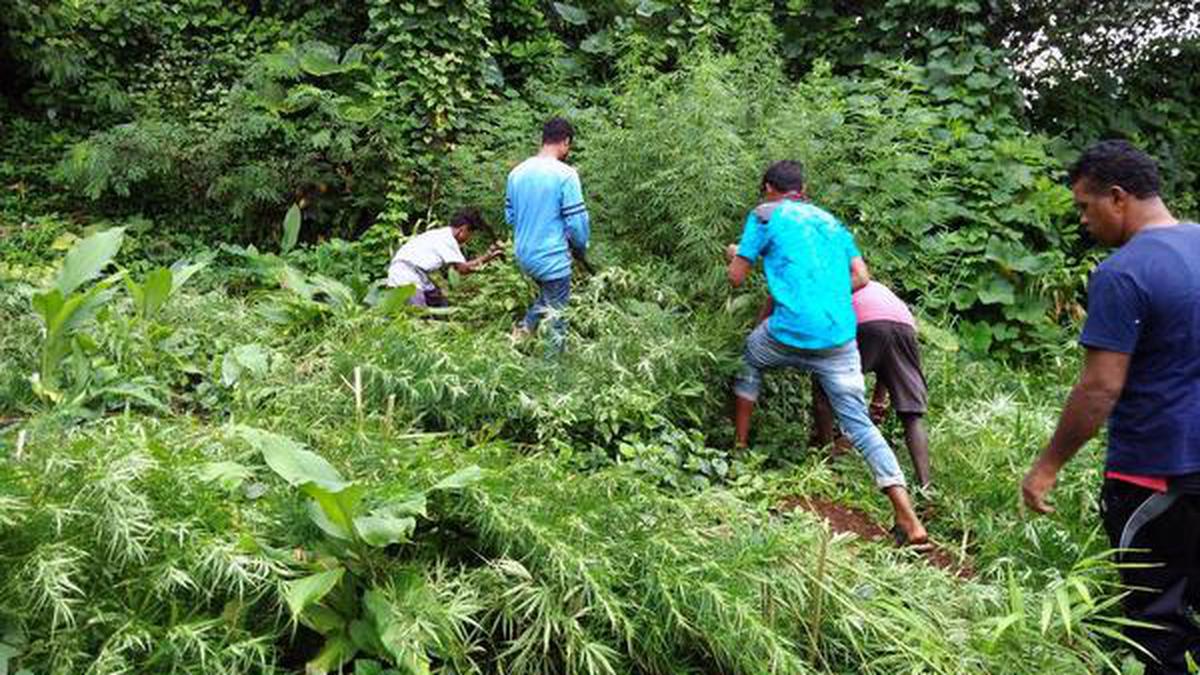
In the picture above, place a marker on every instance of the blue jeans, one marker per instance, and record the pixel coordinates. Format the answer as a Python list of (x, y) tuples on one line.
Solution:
[(551, 302), (840, 373)]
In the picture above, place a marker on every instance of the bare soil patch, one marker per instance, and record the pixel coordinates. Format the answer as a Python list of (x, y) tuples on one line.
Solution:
[(842, 518)]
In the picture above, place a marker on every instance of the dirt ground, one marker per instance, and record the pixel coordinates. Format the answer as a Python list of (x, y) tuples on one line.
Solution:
[(842, 518)]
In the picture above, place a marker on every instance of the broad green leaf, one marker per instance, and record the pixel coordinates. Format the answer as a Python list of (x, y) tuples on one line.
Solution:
[(87, 259), (938, 337), (291, 461), (80, 307), (380, 530), (318, 58), (182, 272), (47, 304), (392, 299), (335, 653), (648, 8), (293, 280), (350, 110), (998, 291), (252, 358), (459, 479), (396, 636), (323, 620), (366, 637), (597, 43), (229, 475), (1028, 309), (338, 506), (155, 290), (291, 229), (411, 505), (571, 14), (339, 294), (354, 55), (977, 337), (300, 594)]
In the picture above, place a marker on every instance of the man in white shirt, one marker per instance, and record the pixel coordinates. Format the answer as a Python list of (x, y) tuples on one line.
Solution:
[(434, 249)]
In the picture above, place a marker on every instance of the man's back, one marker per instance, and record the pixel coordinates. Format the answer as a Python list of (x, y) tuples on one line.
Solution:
[(1145, 301), (544, 204), (806, 255)]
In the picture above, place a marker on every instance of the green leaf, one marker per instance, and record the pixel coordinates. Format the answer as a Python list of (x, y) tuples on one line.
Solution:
[(87, 259), (336, 508), (459, 479), (648, 8), (938, 337), (156, 288), (291, 461), (319, 59), (359, 112), (182, 271), (597, 43), (354, 55), (291, 229), (300, 594), (392, 299), (379, 529), (998, 291), (230, 475), (977, 337), (571, 14), (339, 294), (323, 619), (335, 653), (252, 358)]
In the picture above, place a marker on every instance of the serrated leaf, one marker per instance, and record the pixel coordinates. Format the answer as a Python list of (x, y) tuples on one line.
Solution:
[(87, 259), (291, 229), (571, 14), (300, 594)]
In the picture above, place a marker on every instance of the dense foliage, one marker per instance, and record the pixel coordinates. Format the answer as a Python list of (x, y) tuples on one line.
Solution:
[(225, 448)]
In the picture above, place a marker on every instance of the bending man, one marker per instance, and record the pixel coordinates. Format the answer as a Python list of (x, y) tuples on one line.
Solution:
[(811, 263)]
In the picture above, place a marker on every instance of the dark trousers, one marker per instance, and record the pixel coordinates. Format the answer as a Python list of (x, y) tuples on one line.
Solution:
[(1167, 592)]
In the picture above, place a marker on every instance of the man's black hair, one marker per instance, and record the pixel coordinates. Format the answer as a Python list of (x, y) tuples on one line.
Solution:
[(1117, 162), (472, 218), (557, 130), (785, 176)]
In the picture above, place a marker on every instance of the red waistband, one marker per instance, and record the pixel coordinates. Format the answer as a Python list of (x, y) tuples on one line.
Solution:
[(1156, 483)]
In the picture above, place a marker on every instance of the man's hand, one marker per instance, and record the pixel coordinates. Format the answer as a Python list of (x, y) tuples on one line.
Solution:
[(1036, 485), (730, 252)]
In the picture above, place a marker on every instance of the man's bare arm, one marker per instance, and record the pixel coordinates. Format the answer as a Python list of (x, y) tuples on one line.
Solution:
[(859, 274), (1088, 406)]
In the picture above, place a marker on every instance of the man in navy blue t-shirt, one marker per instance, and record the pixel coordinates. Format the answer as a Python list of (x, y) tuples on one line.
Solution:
[(1141, 373)]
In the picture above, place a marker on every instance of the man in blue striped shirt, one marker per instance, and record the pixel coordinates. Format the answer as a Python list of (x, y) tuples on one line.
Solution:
[(544, 204)]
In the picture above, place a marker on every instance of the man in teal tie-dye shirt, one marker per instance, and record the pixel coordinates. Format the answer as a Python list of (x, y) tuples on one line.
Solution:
[(812, 266), (544, 204)]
